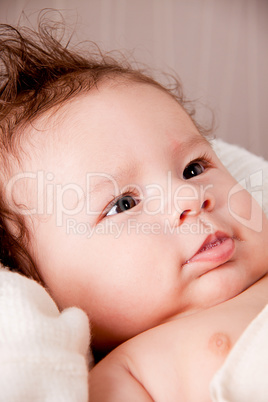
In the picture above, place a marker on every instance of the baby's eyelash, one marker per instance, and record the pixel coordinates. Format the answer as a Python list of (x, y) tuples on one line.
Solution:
[(197, 166), (129, 191), (205, 159)]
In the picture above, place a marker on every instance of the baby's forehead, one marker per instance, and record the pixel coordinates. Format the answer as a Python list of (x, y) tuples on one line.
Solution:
[(107, 114), (112, 100)]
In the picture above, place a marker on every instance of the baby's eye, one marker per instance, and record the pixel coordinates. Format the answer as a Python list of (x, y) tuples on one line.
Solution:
[(193, 169), (122, 204)]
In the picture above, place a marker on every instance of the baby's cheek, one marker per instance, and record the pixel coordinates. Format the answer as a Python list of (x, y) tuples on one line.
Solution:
[(220, 344)]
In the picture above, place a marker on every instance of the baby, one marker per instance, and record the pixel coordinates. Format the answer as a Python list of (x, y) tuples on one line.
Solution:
[(114, 200)]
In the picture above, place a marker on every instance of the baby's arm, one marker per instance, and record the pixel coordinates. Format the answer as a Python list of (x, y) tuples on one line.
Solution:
[(111, 380), (162, 364)]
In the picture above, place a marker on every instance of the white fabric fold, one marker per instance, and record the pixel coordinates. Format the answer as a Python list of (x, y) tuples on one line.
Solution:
[(43, 353)]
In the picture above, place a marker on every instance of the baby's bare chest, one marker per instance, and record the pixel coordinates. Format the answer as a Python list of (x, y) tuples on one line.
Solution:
[(179, 359)]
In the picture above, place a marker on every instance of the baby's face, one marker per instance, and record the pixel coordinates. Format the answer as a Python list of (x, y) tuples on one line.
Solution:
[(139, 220)]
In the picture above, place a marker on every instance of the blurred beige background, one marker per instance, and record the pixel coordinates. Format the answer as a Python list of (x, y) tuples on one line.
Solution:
[(217, 47)]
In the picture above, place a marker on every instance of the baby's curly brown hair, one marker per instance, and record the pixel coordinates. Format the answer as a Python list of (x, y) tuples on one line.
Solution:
[(37, 73)]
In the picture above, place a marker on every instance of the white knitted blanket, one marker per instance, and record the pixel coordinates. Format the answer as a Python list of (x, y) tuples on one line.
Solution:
[(44, 353)]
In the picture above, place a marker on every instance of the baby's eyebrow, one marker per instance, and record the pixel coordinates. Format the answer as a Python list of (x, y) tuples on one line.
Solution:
[(193, 141), (115, 179)]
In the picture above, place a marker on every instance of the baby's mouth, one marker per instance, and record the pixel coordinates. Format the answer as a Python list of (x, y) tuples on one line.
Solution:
[(210, 244), (217, 248)]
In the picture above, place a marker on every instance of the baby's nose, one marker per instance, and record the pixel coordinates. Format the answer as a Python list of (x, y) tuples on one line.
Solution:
[(193, 201)]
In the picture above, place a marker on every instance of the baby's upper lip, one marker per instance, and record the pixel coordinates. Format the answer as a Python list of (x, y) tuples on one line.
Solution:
[(211, 241)]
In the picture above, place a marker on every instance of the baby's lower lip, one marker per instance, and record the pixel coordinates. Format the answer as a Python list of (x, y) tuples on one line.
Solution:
[(215, 253)]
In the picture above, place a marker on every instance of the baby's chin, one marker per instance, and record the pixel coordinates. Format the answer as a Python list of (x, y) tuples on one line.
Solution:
[(220, 285)]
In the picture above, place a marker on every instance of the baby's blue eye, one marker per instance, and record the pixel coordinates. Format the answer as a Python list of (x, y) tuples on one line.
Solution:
[(123, 204), (192, 170)]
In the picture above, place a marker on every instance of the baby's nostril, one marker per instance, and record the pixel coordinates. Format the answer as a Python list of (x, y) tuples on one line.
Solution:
[(184, 214), (205, 204)]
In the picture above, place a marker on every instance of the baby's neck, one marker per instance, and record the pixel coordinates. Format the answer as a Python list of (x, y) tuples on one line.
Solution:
[(258, 291), (254, 297)]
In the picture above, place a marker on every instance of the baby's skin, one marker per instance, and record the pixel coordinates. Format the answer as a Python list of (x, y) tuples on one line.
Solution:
[(176, 361), (128, 157)]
